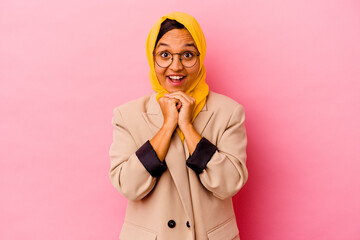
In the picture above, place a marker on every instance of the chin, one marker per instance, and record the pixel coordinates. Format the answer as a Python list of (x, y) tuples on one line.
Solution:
[(171, 90)]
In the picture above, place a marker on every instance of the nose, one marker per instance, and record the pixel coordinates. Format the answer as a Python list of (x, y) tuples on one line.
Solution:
[(176, 64)]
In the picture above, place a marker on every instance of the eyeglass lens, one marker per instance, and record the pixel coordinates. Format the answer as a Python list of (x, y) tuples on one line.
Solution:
[(165, 58)]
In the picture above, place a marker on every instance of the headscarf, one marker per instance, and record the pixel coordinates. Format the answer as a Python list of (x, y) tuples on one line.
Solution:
[(198, 89)]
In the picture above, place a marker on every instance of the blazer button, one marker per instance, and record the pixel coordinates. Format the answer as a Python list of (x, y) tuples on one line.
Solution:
[(171, 224), (188, 224)]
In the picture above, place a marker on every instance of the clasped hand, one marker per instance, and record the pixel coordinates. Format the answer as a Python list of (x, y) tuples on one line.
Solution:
[(177, 109)]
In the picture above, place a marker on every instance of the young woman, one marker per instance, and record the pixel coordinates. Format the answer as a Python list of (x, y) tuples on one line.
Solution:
[(179, 155)]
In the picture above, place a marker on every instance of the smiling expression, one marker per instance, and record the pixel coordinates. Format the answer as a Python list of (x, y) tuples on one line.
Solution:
[(176, 77)]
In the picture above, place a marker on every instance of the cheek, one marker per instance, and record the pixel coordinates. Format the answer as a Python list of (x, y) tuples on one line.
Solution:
[(159, 72), (194, 71)]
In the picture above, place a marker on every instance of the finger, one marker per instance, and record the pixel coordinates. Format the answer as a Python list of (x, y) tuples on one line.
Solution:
[(180, 93), (168, 99), (184, 101), (184, 95), (188, 97), (168, 103), (178, 104), (173, 99)]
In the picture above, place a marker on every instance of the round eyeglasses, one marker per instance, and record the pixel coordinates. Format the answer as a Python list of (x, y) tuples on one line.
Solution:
[(164, 58)]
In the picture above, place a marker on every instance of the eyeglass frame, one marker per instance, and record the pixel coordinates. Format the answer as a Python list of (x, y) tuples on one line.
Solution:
[(172, 58)]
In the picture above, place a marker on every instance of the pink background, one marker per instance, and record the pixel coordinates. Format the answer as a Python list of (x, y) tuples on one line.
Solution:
[(293, 65)]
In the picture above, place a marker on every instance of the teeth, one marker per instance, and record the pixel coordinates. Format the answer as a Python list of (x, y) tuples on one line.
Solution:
[(175, 77)]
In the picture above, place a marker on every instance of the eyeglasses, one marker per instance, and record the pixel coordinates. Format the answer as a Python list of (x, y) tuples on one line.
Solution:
[(164, 58)]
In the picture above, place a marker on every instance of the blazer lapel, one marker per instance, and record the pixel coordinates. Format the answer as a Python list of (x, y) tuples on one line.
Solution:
[(202, 119), (153, 115)]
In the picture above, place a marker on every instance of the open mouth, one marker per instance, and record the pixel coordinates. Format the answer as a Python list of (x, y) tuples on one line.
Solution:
[(175, 80)]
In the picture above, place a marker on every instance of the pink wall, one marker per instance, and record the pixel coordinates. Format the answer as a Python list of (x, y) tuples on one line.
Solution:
[(294, 65)]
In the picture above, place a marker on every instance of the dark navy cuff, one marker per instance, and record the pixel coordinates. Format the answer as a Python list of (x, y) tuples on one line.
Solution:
[(201, 156), (150, 160)]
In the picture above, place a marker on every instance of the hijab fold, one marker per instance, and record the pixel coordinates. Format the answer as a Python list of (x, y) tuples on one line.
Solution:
[(198, 89)]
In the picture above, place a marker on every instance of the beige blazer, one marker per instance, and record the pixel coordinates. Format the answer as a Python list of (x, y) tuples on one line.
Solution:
[(180, 204)]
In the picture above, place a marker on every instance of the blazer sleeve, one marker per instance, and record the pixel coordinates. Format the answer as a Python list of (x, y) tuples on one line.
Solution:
[(133, 170), (224, 172)]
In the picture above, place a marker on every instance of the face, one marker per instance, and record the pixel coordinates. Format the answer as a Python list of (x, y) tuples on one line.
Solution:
[(176, 77)]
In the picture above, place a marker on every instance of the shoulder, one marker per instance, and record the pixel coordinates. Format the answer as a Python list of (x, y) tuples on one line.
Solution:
[(218, 102), (225, 109), (135, 105)]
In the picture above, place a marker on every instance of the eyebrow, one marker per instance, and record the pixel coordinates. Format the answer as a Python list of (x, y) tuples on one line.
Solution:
[(185, 45), (190, 45), (163, 44)]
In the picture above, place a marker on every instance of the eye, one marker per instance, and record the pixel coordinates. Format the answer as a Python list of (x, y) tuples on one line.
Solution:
[(165, 54), (188, 55)]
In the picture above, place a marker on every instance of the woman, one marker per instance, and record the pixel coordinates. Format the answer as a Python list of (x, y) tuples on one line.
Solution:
[(178, 155)]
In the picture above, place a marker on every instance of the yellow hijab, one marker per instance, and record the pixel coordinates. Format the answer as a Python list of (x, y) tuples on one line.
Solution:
[(198, 89)]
